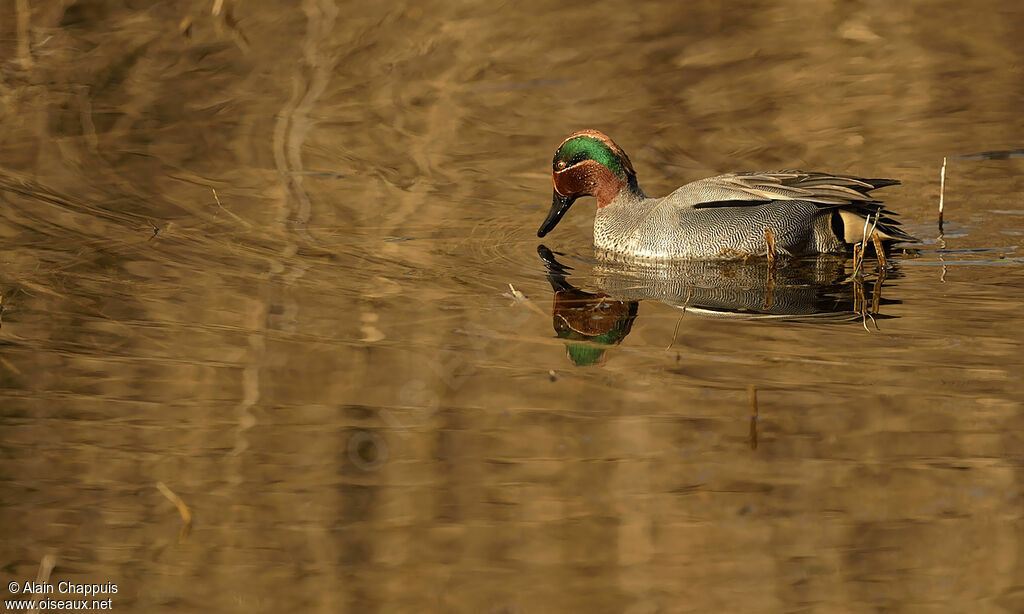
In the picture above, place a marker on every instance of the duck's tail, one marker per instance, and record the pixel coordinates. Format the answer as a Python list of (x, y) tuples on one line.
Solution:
[(867, 219)]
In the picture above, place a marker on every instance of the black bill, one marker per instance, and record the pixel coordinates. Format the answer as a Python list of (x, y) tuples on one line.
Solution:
[(559, 205)]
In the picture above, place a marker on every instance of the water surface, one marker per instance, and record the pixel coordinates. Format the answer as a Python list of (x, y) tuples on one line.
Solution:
[(264, 258)]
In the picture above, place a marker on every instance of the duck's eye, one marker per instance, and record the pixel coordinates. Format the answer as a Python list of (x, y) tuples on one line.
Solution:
[(560, 165)]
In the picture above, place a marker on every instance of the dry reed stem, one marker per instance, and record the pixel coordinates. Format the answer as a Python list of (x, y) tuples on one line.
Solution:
[(522, 299), (769, 289), (876, 293), (46, 565), (871, 233), (858, 249), (675, 331), (858, 296), (879, 252), (769, 240), (153, 227), (858, 262), (186, 515), (228, 211), (942, 191)]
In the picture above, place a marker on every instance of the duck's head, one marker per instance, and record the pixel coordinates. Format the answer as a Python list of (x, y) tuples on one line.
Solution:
[(588, 163)]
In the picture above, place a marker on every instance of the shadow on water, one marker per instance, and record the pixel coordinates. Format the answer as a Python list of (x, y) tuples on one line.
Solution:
[(821, 289)]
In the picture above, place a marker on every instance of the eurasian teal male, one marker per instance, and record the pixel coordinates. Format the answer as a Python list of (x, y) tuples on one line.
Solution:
[(719, 217)]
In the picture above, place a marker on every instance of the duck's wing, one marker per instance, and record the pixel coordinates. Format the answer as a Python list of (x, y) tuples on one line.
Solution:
[(820, 188), (848, 194)]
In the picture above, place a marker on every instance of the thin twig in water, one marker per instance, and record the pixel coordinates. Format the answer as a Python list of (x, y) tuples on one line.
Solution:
[(522, 299), (879, 251), (156, 229), (864, 320), (858, 248), (228, 211), (878, 217), (859, 302), (859, 262), (769, 241), (942, 191), (769, 290), (675, 330), (769, 296), (186, 515), (183, 511), (46, 566), (942, 238), (876, 293)]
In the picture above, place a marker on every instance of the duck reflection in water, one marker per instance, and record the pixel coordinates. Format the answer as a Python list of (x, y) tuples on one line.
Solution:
[(590, 321), (826, 288)]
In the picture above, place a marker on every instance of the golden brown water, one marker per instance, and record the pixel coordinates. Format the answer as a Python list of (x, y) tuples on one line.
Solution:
[(263, 258)]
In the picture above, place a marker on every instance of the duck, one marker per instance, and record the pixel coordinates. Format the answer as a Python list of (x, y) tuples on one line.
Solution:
[(730, 216)]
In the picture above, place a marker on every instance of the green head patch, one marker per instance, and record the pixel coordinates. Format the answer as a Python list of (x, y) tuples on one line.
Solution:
[(586, 147)]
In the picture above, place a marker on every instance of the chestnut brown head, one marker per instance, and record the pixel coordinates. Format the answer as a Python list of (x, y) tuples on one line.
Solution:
[(588, 163)]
